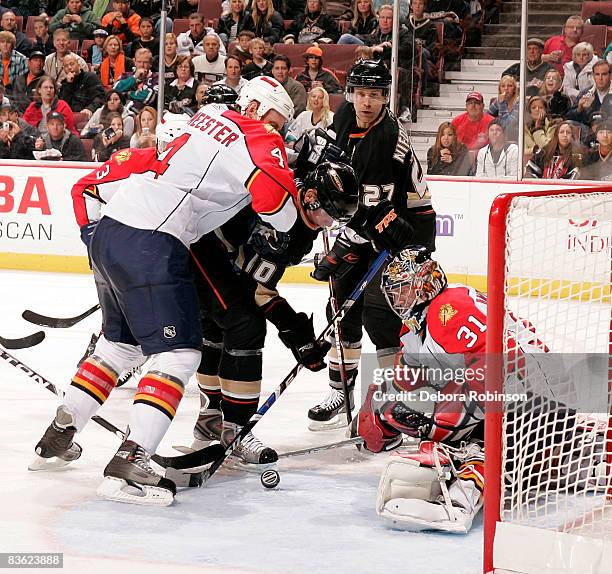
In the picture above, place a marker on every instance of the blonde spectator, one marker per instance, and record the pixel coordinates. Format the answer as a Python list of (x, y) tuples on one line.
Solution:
[(539, 128), (115, 63), (578, 74), (144, 128), (552, 83), (364, 53), (268, 22), (259, 66), (505, 107), (448, 156), (317, 115), (170, 58)]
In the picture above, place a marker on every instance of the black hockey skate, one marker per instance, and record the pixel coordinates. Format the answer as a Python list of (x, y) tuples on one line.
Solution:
[(331, 413), (130, 478), (56, 449), (251, 454)]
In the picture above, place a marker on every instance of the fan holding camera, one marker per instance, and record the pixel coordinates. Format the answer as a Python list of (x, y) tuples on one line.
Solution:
[(111, 139), (15, 142)]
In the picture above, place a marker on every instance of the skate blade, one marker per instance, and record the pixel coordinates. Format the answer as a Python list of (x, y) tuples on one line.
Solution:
[(120, 491), (337, 422), (235, 463), (48, 464), (196, 445)]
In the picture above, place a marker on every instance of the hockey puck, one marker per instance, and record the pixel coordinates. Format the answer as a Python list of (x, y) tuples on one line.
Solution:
[(270, 478)]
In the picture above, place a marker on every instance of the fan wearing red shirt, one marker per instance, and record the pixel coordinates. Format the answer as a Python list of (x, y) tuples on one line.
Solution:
[(472, 126), (558, 49)]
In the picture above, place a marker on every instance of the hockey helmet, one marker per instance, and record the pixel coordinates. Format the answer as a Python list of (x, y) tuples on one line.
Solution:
[(337, 190), (220, 94), (368, 74), (410, 281), (172, 126), (270, 94)]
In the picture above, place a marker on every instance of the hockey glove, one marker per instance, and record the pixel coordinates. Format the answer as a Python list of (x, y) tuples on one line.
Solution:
[(87, 232), (386, 229), (301, 340), (377, 435), (268, 241), (340, 259)]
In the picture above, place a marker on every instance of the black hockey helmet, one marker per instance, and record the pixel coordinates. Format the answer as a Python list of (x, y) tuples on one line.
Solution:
[(368, 74), (337, 190), (221, 94)]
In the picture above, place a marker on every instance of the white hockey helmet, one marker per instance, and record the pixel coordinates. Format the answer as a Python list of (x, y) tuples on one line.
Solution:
[(270, 94), (171, 127)]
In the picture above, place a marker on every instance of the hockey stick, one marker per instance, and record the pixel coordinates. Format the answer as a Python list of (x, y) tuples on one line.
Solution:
[(210, 453), (357, 441), (338, 337), (192, 460), (56, 322), (23, 342)]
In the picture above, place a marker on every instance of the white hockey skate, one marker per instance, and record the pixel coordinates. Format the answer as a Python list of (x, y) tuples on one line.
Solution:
[(129, 478), (251, 454), (330, 414), (56, 450)]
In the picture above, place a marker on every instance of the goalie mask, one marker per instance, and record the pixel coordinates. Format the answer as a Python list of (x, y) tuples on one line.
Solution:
[(410, 282), (337, 191)]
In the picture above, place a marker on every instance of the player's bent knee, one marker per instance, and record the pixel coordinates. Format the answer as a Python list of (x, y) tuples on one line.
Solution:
[(119, 356), (179, 363)]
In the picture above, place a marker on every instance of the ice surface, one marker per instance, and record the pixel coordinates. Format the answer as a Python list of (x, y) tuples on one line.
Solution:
[(321, 518)]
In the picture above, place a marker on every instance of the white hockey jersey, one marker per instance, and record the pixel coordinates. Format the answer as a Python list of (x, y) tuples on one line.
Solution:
[(220, 163)]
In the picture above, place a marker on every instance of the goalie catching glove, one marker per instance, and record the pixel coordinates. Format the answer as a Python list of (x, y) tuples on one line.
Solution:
[(301, 340)]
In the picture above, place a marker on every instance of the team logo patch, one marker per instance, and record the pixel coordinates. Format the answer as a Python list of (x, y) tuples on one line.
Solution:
[(122, 156), (447, 312), (169, 331)]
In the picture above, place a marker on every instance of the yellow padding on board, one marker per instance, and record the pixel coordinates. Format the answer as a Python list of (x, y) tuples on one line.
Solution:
[(46, 263)]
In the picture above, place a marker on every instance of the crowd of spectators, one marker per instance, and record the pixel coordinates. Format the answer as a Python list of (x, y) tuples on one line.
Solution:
[(94, 64), (568, 117)]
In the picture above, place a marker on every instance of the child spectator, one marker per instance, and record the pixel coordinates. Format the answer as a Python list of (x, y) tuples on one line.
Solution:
[(111, 139), (259, 66), (94, 54), (44, 40), (242, 49), (146, 39)]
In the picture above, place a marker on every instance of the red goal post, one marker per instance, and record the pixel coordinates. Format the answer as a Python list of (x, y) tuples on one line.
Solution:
[(548, 470)]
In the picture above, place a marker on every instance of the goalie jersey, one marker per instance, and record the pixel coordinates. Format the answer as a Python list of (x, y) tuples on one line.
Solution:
[(220, 163)]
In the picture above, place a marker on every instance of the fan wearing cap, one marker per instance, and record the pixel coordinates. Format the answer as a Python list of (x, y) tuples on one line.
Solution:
[(599, 159), (472, 125), (25, 84), (315, 75), (536, 68), (94, 54), (77, 18), (313, 25), (60, 139)]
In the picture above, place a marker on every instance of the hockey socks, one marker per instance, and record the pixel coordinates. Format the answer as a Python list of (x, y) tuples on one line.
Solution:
[(352, 354)]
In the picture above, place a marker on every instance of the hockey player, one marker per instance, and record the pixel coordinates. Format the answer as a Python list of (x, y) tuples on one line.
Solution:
[(236, 306), (394, 200), (140, 255)]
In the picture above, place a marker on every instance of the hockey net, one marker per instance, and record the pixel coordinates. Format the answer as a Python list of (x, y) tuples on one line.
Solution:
[(548, 495)]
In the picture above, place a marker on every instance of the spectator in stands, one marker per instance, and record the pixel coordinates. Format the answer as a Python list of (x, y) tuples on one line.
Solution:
[(146, 38), (94, 54), (12, 63), (140, 86), (151, 9), (539, 128), (499, 159), (242, 49), (560, 158), (24, 85), (181, 92), (451, 13), (558, 49), (313, 25), (54, 63), (268, 22), (114, 103), (472, 126), (45, 102), (82, 91), (552, 84), (192, 42), (448, 156), (77, 18), (111, 139), (317, 115), (363, 23), (144, 128), (232, 23), (505, 107), (233, 74), (380, 40), (122, 21), (536, 68), (16, 142), (590, 100), (59, 138), (578, 74), (315, 74), (259, 65), (210, 67), (8, 23), (170, 58), (115, 63), (424, 32), (281, 65), (599, 159), (44, 40)]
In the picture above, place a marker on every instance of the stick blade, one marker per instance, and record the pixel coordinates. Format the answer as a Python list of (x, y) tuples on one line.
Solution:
[(56, 322), (23, 342)]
